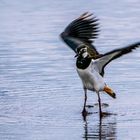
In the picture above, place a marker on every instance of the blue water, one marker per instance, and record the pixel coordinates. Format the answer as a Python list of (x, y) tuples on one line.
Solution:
[(41, 96)]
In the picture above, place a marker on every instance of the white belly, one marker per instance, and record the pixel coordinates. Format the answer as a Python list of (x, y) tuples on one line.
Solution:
[(91, 79)]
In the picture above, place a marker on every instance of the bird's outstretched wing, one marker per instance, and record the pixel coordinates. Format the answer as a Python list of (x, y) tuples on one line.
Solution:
[(108, 57), (81, 31)]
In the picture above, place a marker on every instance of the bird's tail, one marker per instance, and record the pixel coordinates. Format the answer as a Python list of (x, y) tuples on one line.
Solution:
[(109, 91)]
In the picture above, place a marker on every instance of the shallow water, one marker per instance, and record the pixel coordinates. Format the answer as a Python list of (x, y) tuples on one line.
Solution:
[(41, 96)]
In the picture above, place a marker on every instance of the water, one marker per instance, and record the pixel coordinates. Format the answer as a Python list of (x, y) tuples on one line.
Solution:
[(41, 96)]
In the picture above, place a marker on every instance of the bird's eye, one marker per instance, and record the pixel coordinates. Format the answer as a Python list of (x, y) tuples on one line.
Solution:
[(85, 49)]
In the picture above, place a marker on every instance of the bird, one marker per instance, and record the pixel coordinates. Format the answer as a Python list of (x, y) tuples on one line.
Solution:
[(80, 35)]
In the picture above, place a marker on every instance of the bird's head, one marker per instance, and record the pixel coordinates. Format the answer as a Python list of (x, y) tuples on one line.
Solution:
[(82, 51)]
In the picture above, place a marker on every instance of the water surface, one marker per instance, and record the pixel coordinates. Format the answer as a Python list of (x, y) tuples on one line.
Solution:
[(41, 95)]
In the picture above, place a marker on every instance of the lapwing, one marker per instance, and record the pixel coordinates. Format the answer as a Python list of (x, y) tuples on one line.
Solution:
[(79, 35)]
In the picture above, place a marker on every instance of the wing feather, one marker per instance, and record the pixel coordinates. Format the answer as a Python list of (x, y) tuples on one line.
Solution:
[(81, 31), (108, 57)]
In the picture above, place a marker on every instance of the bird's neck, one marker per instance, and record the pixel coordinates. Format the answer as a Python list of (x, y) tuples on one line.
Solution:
[(83, 63)]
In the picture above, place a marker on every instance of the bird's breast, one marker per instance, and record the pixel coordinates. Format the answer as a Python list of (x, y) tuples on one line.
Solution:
[(87, 78), (91, 79)]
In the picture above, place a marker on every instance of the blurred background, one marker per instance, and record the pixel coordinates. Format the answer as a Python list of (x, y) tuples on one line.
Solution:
[(41, 95)]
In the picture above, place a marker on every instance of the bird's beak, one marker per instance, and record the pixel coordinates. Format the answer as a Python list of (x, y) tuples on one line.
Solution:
[(76, 55)]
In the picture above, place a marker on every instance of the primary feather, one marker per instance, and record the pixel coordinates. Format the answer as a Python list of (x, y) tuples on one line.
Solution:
[(108, 57), (81, 31)]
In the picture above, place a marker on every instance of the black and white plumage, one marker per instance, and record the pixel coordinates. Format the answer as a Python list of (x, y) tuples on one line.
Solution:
[(88, 70), (79, 36), (82, 30), (109, 56)]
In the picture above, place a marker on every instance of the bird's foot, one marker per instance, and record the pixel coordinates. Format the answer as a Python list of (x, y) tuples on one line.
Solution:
[(89, 106), (84, 112), (105, 114), (101, 115)]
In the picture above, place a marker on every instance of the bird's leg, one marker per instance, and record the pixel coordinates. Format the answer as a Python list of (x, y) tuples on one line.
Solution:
[(100, 109), (84, 112)]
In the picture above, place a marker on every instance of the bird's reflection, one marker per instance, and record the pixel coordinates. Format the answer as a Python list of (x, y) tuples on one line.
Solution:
[(99, 129)]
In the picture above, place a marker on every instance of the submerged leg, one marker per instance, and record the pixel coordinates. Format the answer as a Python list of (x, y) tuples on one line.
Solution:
[(99, 101), (84, 112)]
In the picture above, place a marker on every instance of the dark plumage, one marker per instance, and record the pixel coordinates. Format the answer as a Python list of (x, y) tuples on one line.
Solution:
[(83, 31), (109, 56), (85, 28), (83, 63)]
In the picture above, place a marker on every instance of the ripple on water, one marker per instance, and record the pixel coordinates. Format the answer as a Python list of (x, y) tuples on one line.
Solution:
[(41, 96)]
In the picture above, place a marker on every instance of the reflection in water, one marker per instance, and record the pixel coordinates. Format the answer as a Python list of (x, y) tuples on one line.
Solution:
[(101, 129)]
